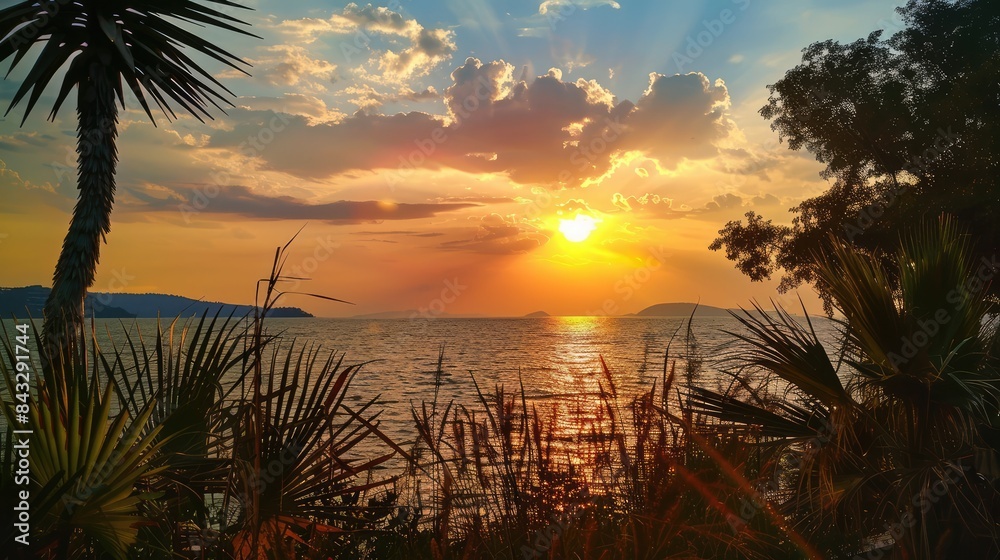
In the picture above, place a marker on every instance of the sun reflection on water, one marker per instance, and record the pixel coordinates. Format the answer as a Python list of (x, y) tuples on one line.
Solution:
[(573, 393)]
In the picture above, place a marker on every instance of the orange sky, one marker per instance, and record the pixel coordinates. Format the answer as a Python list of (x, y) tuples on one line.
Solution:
[(433, 166)]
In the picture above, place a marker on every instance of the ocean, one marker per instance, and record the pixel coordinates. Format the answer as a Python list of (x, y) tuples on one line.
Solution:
[(557, 359)]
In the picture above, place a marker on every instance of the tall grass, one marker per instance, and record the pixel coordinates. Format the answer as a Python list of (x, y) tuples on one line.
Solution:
[(222, 440), (216, 438), (210, 438), (610, 476)]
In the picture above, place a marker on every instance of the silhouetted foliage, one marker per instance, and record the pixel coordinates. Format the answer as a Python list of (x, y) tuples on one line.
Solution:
[(890, 449), (906, 128), (100, 48)]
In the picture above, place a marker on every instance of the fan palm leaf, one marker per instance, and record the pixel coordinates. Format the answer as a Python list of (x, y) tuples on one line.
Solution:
[(311, 471), (783, 346), (916, 412)]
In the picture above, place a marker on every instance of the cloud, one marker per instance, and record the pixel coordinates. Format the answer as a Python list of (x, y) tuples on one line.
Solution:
[(552, 12), (656, 206), (358, 142), (546, 131), (428, 94), (496, 234), (765, 200), (401, 232), (478, 199), (646, 201), (24, 196), (291, 65), (368, 98), (378, 18), (680, 116), (476, 86), (21, 139), (427, 48), (314, 108), (723, 202), (364, 96), (242, 201), (562, 6), (349, 20), (575, 205)]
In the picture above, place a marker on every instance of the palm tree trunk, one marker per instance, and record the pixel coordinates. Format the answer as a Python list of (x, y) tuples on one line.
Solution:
[(97, 156)]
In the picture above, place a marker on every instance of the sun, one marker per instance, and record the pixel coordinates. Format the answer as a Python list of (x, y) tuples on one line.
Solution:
[(578, 229)]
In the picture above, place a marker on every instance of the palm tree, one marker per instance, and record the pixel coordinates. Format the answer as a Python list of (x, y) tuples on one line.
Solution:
[(895, 443), (102, 46)]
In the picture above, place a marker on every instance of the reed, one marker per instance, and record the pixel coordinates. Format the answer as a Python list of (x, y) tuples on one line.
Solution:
[(609, 476), (217, 438), (201, 440)]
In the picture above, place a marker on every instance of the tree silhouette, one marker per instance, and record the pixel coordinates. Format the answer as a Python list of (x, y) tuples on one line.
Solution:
[(103, 46), (906, 127), (910, 405)]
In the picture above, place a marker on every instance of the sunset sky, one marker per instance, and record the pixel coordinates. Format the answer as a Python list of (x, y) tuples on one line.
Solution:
[(436, 148)]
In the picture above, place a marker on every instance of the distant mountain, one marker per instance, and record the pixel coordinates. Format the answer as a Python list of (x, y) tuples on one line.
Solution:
[(681, 310), (29, 300), (537, 314)]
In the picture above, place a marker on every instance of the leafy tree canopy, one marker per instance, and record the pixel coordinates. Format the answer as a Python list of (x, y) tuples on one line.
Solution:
[(907, 129)]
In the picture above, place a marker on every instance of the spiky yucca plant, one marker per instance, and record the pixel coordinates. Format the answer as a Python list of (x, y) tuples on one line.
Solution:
[(103, 47), (87, 462), (251, 448)]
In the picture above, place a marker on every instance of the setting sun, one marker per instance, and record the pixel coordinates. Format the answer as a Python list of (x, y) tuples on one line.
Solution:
[(578, 229), (417, 218)]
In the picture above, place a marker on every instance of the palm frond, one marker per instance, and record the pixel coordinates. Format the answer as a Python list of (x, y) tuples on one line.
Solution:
[(135, 43), (787, 420), (781, 345)]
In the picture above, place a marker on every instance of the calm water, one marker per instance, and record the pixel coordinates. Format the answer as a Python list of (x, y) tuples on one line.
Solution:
[(557, 358)]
